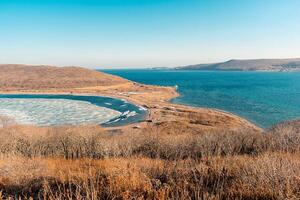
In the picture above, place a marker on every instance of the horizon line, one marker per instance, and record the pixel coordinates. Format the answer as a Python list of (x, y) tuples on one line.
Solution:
[(148, 67)]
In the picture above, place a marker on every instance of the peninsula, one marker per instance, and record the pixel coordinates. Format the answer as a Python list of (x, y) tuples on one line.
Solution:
[(27, 79)]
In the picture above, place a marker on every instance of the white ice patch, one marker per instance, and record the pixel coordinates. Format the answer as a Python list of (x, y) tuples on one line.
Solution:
[(142, 108), (125, 113), (124, 100), (55, 111), (129, 114)]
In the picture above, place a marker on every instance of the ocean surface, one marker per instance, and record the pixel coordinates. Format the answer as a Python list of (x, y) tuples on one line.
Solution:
[(48, 110), (264, 98)]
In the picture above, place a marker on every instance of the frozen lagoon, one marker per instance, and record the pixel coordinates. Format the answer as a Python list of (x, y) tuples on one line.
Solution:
[(49, 110)]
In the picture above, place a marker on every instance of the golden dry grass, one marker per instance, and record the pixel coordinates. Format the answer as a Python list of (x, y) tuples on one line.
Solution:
[(267, 176), (95, 142), (89, 163), (25, 77)]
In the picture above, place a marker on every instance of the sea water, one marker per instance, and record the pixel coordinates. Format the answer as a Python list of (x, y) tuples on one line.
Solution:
[(265, 98)]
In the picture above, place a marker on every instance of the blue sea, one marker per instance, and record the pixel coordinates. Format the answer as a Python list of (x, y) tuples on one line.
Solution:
[(264, 98)]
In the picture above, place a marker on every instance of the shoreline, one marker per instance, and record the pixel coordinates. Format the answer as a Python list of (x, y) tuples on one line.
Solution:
[(161, 112), (223, 111), (141, 112)]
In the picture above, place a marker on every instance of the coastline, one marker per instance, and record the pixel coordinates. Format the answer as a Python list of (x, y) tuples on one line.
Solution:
[(161, 112)]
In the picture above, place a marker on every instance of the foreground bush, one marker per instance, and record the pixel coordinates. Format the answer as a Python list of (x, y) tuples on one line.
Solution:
[(93, 142), (90, 163), (268, 176)]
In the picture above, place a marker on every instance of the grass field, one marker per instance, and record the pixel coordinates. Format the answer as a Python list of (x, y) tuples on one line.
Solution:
[(87, 163)]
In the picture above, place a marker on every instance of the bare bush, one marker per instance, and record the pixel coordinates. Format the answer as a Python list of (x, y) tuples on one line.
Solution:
[(93, 142), (87, 163), (286, 136), (267, 176)]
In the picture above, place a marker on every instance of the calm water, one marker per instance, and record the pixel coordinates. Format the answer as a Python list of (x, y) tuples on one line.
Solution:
[(265, 98)]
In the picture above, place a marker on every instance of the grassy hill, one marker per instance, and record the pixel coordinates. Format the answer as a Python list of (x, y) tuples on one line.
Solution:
[(249, 65), (14, 77)]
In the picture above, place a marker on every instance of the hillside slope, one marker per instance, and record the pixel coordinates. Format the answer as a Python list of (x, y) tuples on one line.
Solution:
[(249, 65), (15, 77)]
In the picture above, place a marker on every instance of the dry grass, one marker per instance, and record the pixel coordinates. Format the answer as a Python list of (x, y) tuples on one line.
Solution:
[(268, 176), (25, 77), (88, 163), (94, 142)]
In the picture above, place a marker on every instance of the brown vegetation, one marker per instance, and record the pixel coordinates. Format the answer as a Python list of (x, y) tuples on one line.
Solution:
[(267, 176), (90, 163), (24, 77)]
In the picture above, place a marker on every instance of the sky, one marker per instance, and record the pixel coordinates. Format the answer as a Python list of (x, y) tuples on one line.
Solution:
[(146, 33)]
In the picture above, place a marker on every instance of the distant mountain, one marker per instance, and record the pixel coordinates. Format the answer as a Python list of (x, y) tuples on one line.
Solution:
[(249, 65)]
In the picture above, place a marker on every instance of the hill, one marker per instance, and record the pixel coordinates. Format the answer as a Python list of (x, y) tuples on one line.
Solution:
[(249, 65), (15, 77)]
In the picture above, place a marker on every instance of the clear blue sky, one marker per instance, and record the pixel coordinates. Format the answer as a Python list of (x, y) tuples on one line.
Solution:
[(143, 33)]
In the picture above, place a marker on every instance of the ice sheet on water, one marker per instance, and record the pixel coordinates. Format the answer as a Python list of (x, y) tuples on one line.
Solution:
[(131, 114), (142, 108), (55, 111)]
